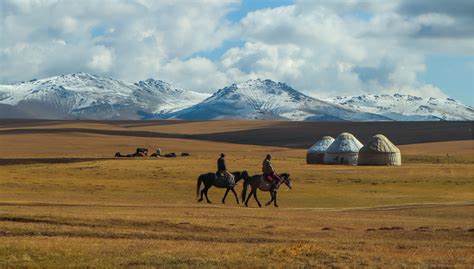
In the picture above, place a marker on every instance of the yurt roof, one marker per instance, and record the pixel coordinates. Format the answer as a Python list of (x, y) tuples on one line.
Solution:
[(345, 143), (321, 145), (379, 144)]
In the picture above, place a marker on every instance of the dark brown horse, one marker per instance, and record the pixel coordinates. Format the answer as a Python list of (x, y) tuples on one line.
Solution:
[(211, 179), (257, 182)]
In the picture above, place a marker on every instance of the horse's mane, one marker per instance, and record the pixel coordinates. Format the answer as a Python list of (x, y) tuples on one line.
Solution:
[(240, 173)]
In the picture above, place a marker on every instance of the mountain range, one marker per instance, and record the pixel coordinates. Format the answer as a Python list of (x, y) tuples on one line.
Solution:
[(87, 96)]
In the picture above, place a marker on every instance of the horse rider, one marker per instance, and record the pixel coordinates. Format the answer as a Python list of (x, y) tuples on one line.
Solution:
[(222, 168), (269, 172)]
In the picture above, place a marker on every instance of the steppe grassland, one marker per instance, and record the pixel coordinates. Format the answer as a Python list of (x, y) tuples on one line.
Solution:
[(142, 212)]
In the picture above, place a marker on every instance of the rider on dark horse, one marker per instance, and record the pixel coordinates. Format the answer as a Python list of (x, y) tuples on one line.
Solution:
[(222, 168), (269, 173)]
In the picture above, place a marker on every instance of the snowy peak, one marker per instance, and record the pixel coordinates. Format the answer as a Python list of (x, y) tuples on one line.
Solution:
[(266, 99), (154, 84), (260, 90), (84, 82), (87, 96), (162, 98), (408, 107)]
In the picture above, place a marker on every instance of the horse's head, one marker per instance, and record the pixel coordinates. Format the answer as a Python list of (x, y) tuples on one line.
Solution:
[(287, 180), (241, 175)]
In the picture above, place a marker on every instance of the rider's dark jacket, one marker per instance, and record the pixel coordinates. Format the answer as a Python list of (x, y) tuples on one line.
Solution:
[(221, 165), (267, 167)]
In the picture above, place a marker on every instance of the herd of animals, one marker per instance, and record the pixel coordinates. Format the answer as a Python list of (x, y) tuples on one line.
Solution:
[(143, 152)]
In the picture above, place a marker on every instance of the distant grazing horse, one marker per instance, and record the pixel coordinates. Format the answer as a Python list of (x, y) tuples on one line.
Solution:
[(210, 179), (257, 182), (136, 154)]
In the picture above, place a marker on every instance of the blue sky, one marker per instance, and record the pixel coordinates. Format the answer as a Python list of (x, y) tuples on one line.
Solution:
[(323, 48), (247, 6), (238, 12), (453, 73)]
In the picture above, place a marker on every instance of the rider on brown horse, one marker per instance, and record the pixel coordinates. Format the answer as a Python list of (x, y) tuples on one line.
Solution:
[(269, 172)]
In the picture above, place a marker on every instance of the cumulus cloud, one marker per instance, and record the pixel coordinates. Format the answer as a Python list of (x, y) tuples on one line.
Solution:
[(348, 47), (126, 39), (102, 59), (200, 74), (323, 48)]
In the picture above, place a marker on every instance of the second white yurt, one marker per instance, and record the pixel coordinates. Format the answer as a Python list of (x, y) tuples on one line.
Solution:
[(344, 150), (315, 154), (379, 151)]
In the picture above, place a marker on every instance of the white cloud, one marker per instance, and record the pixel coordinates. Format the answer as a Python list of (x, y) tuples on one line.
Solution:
[(322, 48), (102, 59), (68, 24), (327, 48), (129, 40), (196, 73)]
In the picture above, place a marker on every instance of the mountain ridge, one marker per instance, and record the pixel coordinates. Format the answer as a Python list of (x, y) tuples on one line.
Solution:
[(404, 107), (266, 99), (87, 96)]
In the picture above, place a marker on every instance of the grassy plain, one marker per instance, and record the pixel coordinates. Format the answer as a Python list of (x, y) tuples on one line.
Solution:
[(102, 212)]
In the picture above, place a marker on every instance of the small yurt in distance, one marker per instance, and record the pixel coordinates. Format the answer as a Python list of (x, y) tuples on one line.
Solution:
[(315, 154), (344, 150), (379, 151)]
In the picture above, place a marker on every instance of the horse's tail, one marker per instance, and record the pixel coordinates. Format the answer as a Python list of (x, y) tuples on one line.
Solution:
[(244, 189), (198, 188)]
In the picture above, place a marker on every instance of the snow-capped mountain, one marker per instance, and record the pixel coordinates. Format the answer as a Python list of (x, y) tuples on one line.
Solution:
[(407, 107), (266, 99), (163, 97), (86, 96)]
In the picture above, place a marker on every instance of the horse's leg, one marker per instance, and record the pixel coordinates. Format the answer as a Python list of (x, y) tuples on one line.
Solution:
[(275, 200), (204, 181), (225, 195), (272, 195), (256, 199), (235, 194), (206, 189), (202, 193), (250, 195)]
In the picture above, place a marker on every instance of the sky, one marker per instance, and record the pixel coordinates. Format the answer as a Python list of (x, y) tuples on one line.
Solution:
[(323, 48)]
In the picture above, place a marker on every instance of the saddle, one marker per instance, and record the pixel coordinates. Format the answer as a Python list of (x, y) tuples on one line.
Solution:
[(267, 178), (270, 181), (220, 175), (222, 180)]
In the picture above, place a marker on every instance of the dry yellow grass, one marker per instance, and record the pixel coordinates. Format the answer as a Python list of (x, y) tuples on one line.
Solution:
[(93, 145), (58, 236), (143, 212), (440, 148)]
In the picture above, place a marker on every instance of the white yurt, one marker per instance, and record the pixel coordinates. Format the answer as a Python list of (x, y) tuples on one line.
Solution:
[(344, 150), (315, 154), (379, 151)]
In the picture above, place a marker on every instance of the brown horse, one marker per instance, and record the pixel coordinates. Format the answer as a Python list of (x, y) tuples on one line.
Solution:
[(257, 182)]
